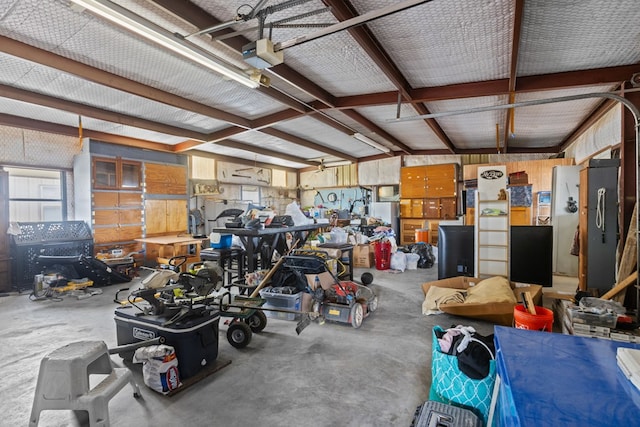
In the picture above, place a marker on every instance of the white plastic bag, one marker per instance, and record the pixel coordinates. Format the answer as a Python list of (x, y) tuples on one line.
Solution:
[(294, 211), (159, 367), (399, 261)]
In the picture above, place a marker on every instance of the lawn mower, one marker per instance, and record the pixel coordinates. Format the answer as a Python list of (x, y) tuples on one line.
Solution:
[(334, 300)]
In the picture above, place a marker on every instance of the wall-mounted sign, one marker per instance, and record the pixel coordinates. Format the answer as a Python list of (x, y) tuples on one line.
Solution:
[(491, 174)]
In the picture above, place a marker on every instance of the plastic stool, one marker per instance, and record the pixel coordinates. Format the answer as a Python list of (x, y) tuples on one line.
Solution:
[(63, 382)]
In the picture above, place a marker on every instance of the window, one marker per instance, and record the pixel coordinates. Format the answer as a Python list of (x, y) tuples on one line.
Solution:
[(36, 195)]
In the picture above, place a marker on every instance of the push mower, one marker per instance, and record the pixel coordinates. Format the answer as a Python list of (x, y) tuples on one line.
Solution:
[(334, 300)]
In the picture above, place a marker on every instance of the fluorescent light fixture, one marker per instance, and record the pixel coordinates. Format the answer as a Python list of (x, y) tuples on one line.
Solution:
[(371, 142), (132, 22), (338, 163)]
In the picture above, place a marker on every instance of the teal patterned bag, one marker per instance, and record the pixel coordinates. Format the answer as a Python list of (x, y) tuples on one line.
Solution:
[(451, 386)]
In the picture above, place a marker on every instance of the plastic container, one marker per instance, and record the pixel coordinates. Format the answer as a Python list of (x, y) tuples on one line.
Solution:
[(578, 315), (541, 321), (220, 241), (282, 302), (423, 235), (195, 339), (383, 255)]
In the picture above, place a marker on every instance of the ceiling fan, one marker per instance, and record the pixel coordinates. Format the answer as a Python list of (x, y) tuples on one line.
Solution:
[(321, 166)]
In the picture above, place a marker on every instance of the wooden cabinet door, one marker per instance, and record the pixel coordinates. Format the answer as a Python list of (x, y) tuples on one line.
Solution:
[(441, 180), (177, 216), (448, 208), (165, 179), (412, 182), (155, 216), (432, 208)]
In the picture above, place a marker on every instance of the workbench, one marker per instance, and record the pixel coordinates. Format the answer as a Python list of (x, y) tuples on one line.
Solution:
[(170, 246), (260, 243)]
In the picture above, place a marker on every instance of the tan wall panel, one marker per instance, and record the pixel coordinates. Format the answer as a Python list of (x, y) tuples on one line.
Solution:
[(155, 215), (539, 171), (165, 179)]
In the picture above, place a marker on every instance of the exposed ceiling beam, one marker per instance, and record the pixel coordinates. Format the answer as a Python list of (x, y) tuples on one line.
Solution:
[(96, 113), (239, 161), (212, 137), (37, 125), (343, 11), (302, 83), (354, 115), (86, 72), (265, 152), (539, 83), (513, 70), (308, 144), (524, 150)]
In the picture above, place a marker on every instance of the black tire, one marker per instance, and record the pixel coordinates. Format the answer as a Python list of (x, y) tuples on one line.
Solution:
[(357, 315), (239, 334), (257, 321)]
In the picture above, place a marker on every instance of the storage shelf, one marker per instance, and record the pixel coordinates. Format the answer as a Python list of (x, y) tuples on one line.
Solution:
[(492, 237)]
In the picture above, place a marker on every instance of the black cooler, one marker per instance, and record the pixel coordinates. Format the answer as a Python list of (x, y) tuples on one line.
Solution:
[(195, 339)]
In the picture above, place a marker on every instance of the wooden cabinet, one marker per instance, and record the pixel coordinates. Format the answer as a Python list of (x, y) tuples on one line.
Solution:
[(116, 173), (408, 229), (441, 180), (164, 216), (117, 219), (426, 193)]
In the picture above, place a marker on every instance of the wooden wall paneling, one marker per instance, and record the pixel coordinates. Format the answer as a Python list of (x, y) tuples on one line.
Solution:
[(165, 179)]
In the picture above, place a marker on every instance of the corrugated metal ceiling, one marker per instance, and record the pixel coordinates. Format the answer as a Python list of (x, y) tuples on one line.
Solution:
[(434, 55)]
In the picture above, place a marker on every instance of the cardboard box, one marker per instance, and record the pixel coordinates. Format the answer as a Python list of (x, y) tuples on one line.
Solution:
[(326, 280), (363, 256), (500, 313)]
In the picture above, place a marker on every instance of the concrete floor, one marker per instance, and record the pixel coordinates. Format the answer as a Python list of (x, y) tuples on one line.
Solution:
[(329, 375)]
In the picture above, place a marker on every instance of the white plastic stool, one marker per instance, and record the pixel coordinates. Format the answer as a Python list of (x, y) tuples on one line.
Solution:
[(63, 382)]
